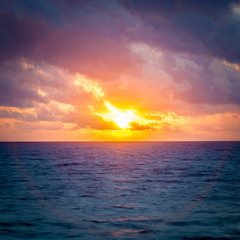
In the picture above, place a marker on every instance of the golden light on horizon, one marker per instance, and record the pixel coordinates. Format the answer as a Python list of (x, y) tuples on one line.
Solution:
[(122, 118)]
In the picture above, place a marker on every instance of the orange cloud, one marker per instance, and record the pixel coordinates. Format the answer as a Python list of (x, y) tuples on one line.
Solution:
[(84, 84), (232, 65)]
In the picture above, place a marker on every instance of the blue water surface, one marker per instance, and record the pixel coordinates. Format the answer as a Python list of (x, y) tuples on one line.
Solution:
[(120, 190)]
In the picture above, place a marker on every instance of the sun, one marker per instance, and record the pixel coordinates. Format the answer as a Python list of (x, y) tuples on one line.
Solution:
[(122, 118), (122, 121)]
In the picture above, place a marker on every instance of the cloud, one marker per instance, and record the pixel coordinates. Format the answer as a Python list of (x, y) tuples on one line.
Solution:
[(211, 83), (97, 123), (139, 127), (88, 86), (197, 27), (175, 77), (89, 37), (38, 125), (43, 92), (6, 113), (16, 89), (20, 35)]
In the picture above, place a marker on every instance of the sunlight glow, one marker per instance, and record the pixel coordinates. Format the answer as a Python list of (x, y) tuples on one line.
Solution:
[(121, 117)]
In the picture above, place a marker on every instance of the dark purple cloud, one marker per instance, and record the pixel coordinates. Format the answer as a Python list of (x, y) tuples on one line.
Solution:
[(72, 33), (19, 86), (199, 27), (82, 36), (20, 35), (29, 117), (15, 94), (209, 80)]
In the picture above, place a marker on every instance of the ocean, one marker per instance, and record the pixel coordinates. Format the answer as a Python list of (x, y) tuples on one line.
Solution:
[(120, 190)]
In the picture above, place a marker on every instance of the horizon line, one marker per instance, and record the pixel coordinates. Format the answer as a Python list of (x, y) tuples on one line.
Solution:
[(117, 141)]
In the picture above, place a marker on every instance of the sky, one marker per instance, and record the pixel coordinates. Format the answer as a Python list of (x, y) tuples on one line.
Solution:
[(119, 70)]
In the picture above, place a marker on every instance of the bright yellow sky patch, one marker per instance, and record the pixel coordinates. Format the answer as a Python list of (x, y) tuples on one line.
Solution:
[(121, 117)]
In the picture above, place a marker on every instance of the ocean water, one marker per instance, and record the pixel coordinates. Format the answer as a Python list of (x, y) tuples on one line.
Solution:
[(120, 190)]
